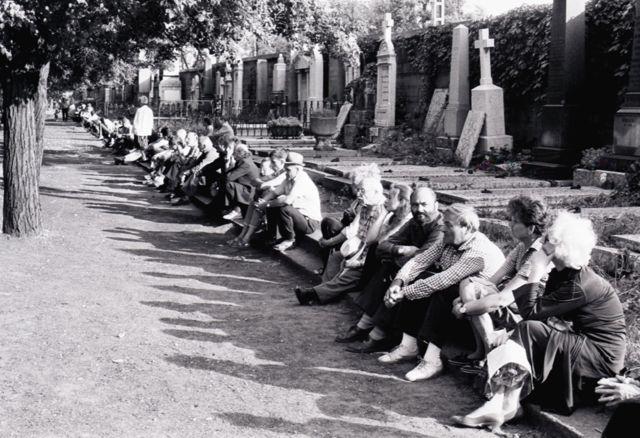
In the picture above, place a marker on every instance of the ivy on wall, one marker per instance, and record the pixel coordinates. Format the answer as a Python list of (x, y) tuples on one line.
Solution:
[(520, 58)]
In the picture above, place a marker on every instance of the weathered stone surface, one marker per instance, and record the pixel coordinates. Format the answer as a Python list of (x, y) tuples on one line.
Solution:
[(361, 117), (436, 110), (279, 75), (469, 137), (262, 77), (342, 117), (610, 212), (630, 241), (599, 178)]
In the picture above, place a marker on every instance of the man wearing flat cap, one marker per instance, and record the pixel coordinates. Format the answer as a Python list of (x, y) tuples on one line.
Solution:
[(293, 207)]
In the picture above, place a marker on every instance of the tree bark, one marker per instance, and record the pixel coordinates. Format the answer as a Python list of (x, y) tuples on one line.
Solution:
[(40, 113), (22, 214)]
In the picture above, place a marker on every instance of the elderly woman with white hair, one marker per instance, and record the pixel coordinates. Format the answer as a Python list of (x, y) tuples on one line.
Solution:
[(238, 187), (550, 364), (360, 234)]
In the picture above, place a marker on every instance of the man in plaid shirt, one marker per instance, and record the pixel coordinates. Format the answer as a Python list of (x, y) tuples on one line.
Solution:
[(425, 311)]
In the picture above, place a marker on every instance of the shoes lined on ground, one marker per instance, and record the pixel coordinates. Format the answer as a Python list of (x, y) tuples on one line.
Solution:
[(372, 346), (306, 297), (284, 245), (354, 334), (399, 354), (425, 370)]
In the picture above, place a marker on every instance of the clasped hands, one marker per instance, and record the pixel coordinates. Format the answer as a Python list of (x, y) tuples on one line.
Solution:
[(614, 390), (394, 294)]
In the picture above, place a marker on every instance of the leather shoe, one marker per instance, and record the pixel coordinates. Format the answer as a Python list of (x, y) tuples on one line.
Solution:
[(354, 334), (306, 297), (372, 346)]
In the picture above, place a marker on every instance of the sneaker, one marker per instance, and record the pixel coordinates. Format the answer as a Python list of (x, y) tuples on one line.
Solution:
[(284, 245), (233, 214), (399, 354), (425, 370)]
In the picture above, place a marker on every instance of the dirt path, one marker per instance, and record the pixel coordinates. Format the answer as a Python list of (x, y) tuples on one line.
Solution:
[(130, 317)]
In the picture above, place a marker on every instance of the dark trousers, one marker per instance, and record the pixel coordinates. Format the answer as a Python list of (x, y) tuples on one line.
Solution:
[(330, 228), (623, 420), (65, 114), (430, 319), (289, 222), (372, 295)]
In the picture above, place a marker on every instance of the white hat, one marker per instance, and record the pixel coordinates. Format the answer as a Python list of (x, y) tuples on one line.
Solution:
[(294, 159)]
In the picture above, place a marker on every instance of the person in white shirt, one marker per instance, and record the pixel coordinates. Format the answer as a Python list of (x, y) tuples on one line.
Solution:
[(143, 123), (294, 206)]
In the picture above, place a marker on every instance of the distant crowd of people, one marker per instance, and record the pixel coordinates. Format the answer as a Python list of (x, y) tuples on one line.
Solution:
[(539, 324)]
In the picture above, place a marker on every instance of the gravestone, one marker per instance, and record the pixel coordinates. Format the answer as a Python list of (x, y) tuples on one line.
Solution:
[(436, 110), (562, 121), (336, 79), (626, 125), (208, 83), (170, 87), (469, 137), (218, 85), (262, 77), (238, 77), (437, 12), (488, 98), (279, 75), (385, 110), (342, 118), (458, 106), (144, 81)]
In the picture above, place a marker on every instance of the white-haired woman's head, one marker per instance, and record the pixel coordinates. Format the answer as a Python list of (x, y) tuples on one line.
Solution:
[(181, 133), (192, 139), (571, 239), (365, 171), (371, 191)]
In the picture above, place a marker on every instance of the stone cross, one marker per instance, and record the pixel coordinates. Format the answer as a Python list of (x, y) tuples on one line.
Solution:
[(484, 44), (388, 24)]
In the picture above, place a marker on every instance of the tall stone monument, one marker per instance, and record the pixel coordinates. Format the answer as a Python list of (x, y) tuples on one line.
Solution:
[(208, 80), (488, 98), (316, 78), (385, 112), (238, 77), (262, 77), (144, 81), (562, 121), (437, 12), (626, 125), (279, 75), (458, 106)]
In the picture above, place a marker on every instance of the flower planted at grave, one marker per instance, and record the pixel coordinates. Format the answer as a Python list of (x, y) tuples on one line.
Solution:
[(285, 127), (323, 126)]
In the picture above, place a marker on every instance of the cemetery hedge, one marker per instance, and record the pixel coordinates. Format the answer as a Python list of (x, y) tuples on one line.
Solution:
[(520, 63)]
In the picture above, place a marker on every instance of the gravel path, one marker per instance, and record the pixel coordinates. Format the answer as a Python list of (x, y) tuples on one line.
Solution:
[(130, 317)]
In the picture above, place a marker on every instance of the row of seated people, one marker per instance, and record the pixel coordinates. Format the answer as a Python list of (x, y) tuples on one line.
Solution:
[(540, 323), (217, 171)]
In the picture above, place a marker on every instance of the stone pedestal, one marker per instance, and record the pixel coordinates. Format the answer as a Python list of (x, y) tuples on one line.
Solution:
[(626, 132), (316, 79), (489, 100), (170, 89)]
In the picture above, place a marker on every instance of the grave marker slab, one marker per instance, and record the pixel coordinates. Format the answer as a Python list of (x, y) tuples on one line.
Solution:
[(459, 104), (469, 137), (385, 111), (436, 111), (342, 117)]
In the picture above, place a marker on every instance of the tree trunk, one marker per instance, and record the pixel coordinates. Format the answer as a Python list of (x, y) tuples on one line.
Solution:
[(21, 213), (40, 115)]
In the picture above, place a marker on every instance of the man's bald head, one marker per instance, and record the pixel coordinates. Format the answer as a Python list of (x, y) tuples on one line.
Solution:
[(424, 206)]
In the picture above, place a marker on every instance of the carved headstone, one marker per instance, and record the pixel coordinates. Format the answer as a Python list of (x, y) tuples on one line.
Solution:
[(436, 111), (385, 112), (469, 137), (489, 99), (626, 125), (342, 117)]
